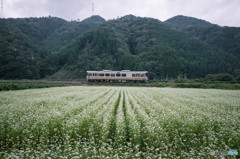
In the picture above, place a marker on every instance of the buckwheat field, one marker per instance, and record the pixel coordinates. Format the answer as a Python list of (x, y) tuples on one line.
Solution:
[(118, 122)]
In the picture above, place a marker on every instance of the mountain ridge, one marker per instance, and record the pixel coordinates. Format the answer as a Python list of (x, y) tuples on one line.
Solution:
[(129, 42), (224, 38), (137, 43)]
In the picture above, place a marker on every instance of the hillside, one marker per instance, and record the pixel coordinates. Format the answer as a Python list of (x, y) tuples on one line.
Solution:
[(26, 42), (224, 38), (137, 43), (69, 31), (50, 47)]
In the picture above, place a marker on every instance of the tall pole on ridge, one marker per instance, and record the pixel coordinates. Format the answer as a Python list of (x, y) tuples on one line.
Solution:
[(92, 8)]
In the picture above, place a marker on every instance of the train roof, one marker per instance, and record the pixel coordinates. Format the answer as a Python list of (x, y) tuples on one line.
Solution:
[(122, 71)]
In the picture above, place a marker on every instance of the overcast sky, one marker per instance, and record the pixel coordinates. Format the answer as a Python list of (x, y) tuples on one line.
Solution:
[(221, 12)]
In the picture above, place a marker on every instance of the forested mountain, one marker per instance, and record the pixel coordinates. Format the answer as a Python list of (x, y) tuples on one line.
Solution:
[(137, 43), (180, 22), (224, 38), (26, 42), (69, 31), (54, 48)]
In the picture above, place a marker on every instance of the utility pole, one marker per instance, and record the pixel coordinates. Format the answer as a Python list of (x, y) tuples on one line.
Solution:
[(92, 8)]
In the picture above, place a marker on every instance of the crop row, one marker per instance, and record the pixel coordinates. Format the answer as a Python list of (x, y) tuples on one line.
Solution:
[(100, 122)]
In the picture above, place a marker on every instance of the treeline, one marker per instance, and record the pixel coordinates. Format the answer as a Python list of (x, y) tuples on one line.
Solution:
[(19, 85), (223, 77)]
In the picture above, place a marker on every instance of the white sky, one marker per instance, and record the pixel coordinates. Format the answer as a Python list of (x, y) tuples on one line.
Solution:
[(221, 12)]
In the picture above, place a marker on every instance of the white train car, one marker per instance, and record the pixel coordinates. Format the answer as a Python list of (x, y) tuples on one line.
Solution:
[(117, 76)]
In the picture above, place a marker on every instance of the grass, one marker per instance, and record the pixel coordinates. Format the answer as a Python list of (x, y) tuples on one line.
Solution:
[(18, 85), (29, 84), (204, 85), (118, 122)]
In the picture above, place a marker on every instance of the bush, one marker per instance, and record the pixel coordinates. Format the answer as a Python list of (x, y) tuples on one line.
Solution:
[(199, 80), (191, 85), (223, 77), (182, 80), (18, 85)]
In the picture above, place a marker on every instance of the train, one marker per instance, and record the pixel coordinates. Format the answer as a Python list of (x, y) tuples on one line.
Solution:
[(117, 76)]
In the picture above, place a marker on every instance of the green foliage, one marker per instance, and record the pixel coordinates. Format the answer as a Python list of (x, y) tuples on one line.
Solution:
[(237, 76), (182, 80), (222, 38), (223, 77), (136, 43), (34, 48), (209, 85), (25, 43), (18, 85)]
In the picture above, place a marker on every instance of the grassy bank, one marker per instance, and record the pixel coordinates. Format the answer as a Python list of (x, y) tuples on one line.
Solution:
[(18, 85), (212, 85), (29, 84), (233, 86)]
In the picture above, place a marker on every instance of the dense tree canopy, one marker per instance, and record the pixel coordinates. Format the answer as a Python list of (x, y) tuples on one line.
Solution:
[(142, 44), (25, 43), (52, 47), (226, 39)]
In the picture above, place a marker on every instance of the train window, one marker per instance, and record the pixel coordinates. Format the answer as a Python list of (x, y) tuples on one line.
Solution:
[(142, 75), (89, 74), (113, 75), (101, 74), (107, 74), (124, 75), (118, 74), (133, 75), (137, 75)]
